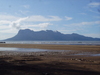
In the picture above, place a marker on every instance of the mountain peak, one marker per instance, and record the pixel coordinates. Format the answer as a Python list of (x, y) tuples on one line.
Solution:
[(25, 30), (75, 34), (49, 35)]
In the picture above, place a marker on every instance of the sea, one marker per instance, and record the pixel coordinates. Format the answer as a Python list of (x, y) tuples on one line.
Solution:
[(56, 42)]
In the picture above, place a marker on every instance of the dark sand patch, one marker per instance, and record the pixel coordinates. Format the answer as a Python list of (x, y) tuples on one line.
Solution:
[(50, 63)]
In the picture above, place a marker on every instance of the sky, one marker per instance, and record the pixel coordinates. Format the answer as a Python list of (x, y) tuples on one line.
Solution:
[(66, 16)]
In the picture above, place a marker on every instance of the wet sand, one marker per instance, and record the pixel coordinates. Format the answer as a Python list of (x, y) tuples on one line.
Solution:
[(54, 47), (50, 63)]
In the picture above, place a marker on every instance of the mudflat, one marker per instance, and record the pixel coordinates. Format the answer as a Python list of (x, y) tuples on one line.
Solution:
[(54, 47), (50, 63)]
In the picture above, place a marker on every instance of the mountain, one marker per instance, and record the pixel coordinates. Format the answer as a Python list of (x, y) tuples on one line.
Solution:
[(48, 35)]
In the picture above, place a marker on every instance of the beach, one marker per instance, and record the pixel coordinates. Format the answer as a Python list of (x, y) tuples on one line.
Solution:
[(54, 47), (68, 60)]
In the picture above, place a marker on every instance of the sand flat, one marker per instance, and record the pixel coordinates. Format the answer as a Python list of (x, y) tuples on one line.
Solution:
[(54, 47), (50, 63)]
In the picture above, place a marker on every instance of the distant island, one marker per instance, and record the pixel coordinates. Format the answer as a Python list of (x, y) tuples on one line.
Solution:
[(48, 35)]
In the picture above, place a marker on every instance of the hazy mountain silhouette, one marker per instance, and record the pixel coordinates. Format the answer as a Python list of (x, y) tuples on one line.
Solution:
[(48, 35)]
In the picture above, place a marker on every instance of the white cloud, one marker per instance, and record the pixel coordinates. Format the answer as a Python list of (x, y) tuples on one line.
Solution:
[(68, 18), (93, 35), (85, 23), (8, 30), (11, 24), (67, 31), (43, 25), (16, 24), (94, 4), (36, 27), (23, 12), (40, 18), (4, 22), (3, 27), (8, 17), (40, 25), (55, 18), (37, 18), (94, 7)]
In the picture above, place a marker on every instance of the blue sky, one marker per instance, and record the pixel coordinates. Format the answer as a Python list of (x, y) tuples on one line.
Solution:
[(65, 16)]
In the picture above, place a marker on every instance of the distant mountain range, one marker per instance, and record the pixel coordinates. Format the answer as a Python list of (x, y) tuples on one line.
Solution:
[(48, 35)]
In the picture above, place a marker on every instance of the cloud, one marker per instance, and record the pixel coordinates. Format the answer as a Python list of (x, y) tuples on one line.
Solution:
[(8, 30), (68, 31), (93, 35), (10, 24), (43, 25), (24, 12), (37, 18), (3, 27), (68, 18), (40, 18), (4, 22), (94, 7), (84, 23), (16, 24), (9, 21), (55, 18), (94, 4), (40, 25), (8, 17)]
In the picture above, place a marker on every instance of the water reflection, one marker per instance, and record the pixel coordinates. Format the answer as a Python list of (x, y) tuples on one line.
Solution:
[(21, 49), (43, 50), (88, 54), (29, 49), (95, 54)]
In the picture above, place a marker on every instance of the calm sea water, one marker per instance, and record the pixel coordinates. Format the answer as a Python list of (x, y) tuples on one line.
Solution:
[(56, 42)]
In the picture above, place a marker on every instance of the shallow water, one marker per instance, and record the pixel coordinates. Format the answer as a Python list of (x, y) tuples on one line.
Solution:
[(43, 50), (88, 54), (21, 49), (95, 54), (28, 49)]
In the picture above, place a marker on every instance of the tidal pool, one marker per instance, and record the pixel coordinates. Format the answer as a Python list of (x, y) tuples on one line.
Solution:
[(29, 49), (87, 54), (21, 49)]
